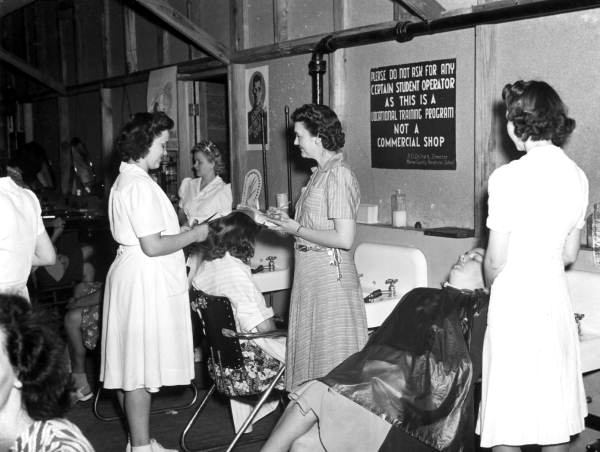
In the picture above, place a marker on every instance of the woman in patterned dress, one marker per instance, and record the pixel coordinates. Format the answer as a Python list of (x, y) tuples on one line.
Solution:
[(532, 390), (34, 384), (327, 320), (146, 324)]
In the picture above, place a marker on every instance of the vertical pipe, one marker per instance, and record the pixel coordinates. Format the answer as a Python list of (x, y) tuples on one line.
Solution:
[(264, 156), (288, 154), (316, 68)]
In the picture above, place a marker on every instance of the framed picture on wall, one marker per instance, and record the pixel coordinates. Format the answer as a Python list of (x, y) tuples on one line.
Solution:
[(162, 96), (257, 108)]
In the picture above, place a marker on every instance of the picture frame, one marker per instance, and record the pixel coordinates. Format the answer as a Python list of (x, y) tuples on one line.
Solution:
[(257, 108)]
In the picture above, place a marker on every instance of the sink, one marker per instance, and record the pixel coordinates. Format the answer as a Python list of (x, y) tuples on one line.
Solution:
[(269, 281), (269, 243), (585, 296), (376, 263)]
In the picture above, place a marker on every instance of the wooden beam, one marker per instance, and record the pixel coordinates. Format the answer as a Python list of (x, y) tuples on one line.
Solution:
[(425, 9), (300, 46), (32, 72), (280, 22), (239, 25), (401, 14), (131, 60), (107, 66), (187, 28), (337, 60), (106, 113), (485, 120), (488, 5), (64, 138), (8, 6)]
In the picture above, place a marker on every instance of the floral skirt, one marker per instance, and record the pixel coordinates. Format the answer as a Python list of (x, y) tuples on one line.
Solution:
[(253, 377), (90, 326)]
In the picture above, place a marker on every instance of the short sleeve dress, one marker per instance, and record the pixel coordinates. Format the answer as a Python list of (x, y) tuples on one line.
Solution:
[(532, 390), (199, 204), (146, 323), (327, 320), (19, 230)]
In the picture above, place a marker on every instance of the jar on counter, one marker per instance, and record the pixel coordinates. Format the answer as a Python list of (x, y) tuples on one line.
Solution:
[(398, 209)]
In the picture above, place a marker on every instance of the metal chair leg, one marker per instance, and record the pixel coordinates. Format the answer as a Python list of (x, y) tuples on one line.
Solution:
[(260, 403), (156, 411), (182, 440)]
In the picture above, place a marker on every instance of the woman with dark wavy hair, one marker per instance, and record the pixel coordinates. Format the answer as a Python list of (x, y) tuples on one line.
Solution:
[(532, 390), (327, 321), (146, 324), (34, 384), (225, 271)]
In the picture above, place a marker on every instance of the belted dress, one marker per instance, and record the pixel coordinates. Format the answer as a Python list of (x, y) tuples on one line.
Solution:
[(146, 323), (327, 321)]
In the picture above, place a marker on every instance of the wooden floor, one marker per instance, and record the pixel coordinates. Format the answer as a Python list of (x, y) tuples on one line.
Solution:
[(212, 431)]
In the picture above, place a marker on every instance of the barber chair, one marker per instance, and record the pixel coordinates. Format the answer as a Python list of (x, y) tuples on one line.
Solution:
[(237, 366)]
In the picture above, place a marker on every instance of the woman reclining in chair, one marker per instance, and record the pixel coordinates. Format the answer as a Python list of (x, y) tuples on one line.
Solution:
[(410, 388), (225, 272)]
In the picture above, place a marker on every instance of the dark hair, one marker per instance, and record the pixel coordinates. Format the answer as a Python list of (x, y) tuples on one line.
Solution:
[(212, 154), (30, 160), (235, 233), (36, 354), (537, 112), (321, 121), (257, 77), (136, 136)]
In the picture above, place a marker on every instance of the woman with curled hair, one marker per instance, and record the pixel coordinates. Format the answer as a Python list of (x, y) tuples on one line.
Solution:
[(532, 390), (225, 271), (327, 321), (207, 194), (146, 325), (34, 389)]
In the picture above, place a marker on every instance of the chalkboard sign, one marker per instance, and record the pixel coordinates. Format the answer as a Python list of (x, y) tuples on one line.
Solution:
[(413, 115)]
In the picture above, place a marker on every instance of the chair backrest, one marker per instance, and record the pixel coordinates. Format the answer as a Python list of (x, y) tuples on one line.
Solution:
[(216, 314)]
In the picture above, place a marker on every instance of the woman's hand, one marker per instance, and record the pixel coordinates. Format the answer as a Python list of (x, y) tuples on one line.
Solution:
[(283, 221), (201, 231)]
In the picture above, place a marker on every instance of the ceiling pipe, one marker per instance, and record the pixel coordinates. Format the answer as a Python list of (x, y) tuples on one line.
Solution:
[(405, 31)]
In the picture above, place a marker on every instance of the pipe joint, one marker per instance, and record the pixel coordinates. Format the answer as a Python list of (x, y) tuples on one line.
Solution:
[(401, 32), (317, 66)]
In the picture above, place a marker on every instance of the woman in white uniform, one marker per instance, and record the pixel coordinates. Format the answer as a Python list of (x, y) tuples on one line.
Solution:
[(532, 390), (146, 335), (207, 194), (24, 241)]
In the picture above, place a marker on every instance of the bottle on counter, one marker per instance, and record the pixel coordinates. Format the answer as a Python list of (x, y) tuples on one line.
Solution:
[(398, 209)]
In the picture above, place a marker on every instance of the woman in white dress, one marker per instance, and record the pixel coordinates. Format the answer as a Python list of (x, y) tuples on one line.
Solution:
[(207, 194), (146, 334), (532, 390)]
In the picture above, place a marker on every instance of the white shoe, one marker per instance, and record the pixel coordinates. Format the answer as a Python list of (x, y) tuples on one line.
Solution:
[(155, 446), (84, 394)]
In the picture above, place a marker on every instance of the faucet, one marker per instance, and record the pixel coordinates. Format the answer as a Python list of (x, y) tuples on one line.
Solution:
[(271, 266), (392, 286)]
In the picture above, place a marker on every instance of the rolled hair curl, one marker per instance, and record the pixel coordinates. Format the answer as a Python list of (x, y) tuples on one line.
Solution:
[(321, 121), (212, 154), (537, 112)]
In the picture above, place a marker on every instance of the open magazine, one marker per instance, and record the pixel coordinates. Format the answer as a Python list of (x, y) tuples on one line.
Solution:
[(257, 215)]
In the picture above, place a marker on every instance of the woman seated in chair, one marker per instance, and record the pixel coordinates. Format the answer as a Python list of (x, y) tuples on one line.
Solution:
[(410, 388), (225, 272)]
